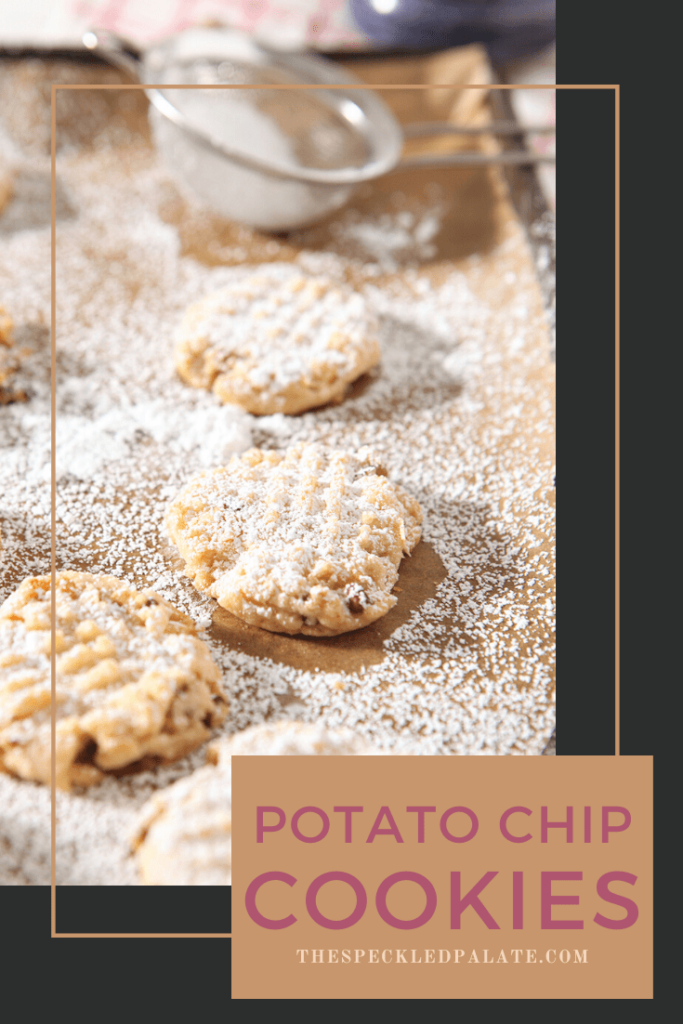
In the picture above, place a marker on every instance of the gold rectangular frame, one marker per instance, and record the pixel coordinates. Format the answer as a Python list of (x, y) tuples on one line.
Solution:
[(53, 440)]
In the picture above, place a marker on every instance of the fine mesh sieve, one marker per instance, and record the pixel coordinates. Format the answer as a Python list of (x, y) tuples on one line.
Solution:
[(273, 158)]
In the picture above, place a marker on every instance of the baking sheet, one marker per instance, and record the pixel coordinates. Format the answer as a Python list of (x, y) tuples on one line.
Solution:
[(461, 410)]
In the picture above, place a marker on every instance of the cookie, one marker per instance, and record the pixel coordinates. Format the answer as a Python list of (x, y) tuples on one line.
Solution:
[(279, 341), (5, 344), (134, 681), (307, 541), (9, 361), (6, 185), (183, 835), (287, 739)]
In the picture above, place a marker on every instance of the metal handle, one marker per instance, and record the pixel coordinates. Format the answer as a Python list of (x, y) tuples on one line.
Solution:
[(420, 129), (473, 159), (433, 129)]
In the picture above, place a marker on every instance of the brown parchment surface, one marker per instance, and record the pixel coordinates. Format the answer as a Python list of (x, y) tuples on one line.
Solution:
[(479, 221)]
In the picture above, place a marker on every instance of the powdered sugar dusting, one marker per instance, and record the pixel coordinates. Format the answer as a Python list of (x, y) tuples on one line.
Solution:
[(459, 410), (384, 239)]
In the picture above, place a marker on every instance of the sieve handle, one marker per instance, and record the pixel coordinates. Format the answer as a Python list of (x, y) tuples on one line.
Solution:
[(421, 129), (473, 160), (433, 129), (114, 49)]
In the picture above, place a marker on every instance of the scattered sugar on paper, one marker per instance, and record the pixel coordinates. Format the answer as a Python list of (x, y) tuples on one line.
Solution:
[(458, 410)]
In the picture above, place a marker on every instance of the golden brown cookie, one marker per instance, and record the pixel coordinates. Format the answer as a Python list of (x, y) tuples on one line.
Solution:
[(5, 344), (306, 541), (183, 835), (288, 739), (9, 361), (133, 680), (279, 341), (6, 184)]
